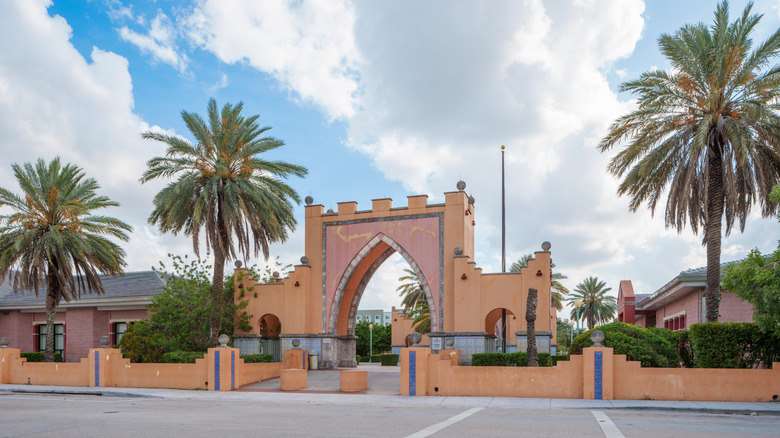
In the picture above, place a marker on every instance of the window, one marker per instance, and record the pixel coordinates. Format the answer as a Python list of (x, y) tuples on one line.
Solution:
[(377, 317), (59, 338), (120, 328), (358, 317)]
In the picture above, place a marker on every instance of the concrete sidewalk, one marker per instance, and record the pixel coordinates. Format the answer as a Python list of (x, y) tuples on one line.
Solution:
[(763, 408)]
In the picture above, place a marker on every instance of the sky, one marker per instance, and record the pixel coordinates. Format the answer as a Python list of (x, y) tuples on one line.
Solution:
[(376, 99)]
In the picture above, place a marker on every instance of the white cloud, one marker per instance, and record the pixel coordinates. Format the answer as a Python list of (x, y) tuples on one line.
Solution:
[(221, 83), (55, 102), (308, 46), (159, 42)]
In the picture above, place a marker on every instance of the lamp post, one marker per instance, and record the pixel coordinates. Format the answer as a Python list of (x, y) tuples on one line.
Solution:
[(571, 332), (370, 342), (577, 305)]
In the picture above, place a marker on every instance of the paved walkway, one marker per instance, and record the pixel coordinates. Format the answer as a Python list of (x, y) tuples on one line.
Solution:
[(381, 381)]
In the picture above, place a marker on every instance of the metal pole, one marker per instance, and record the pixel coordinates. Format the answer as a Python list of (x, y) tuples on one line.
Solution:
[(370, 342), (503, 215)]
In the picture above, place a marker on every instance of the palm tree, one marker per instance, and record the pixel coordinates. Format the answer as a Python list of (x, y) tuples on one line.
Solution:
[(422, 317), (224, 189), (53, 237), (597, 306), (558, 290), (411, 290), (708, 130)]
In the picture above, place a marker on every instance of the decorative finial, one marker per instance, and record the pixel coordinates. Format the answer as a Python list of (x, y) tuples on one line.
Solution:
[(546, 246), (503, 147), (471, 200), (238, 264), (597, 337), (458, 251), (304, 260), (330, 211), (296, 344), (415, 338), (309, 200), (4, 341), (223, 339), (105, 341), (461, 185), (449, 342), (276, 274)]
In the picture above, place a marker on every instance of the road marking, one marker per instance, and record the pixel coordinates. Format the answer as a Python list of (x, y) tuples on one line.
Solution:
[(607, 426), (439, 426)]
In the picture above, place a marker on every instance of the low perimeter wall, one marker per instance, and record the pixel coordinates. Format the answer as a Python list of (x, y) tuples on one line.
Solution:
[(220, 370), (596, 374)]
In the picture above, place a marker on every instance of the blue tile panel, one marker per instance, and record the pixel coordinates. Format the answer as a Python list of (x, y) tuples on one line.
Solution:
[(97, 368), (232, 370), (597, 376), (469, 345), (216, 371), (303, 361), (313, 345), (412, 373)]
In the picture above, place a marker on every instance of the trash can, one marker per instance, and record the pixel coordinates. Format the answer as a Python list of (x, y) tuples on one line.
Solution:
[(314, 358)]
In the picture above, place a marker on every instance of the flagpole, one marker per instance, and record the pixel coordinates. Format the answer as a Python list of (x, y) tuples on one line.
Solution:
[(503, 248)]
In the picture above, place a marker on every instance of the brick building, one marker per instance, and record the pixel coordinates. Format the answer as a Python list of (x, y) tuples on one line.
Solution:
[(79, 324), (678, 304)]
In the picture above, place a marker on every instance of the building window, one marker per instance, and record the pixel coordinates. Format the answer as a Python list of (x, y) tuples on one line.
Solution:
[(59, 338), (377, 317), (358, 317), (120, 328)]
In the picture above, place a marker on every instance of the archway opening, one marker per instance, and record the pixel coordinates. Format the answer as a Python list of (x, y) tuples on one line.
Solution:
[(502, 323), (270, 329)]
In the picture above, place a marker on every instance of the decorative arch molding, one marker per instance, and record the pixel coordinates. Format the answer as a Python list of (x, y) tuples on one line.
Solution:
[(356, 262)]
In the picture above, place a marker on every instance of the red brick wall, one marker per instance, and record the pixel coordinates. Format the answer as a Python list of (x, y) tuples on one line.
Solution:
[(732, 309)]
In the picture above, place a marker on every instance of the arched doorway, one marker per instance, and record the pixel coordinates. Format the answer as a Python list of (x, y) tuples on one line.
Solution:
[(501, 324), (270, 329)]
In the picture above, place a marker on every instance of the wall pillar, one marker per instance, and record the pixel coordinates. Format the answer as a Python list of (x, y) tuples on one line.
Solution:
[(597, 373), (99, 362), (414, 371), (7, 357), (296, 359), (222, 373)]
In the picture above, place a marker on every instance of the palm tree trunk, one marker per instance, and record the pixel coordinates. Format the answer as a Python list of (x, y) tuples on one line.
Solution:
[(216, 295), (530, 319), (51, 309), (712, 230)]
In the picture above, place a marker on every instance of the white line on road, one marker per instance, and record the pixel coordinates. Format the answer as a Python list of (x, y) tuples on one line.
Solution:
[(607, 426), (439, 426)]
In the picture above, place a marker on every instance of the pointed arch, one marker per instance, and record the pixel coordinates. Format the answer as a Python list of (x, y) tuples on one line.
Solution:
[(386, 246)]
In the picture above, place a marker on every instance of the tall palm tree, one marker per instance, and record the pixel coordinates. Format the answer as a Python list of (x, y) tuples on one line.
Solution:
[(52, 237), (422, 317), (410, 289), (597, 306), (224, 189), (708, 130), (558, 290)]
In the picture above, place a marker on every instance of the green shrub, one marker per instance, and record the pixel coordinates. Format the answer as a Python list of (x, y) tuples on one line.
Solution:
[(182, 356), (518, 359), (684, 348), (258, 358), (653, 347), (358, 358), (38, 356), (558, 358), (141, 344), (732, 345), (390, 360)]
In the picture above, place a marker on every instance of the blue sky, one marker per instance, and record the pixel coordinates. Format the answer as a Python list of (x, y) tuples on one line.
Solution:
[(376, 99)]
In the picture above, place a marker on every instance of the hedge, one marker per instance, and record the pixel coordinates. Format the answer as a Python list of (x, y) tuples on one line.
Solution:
[(374, 358), (653, 347), (559, 358), (390, 360), (38, 356), (358, 359), (518, 359), (182, 356), (258, 358), (732, 345)]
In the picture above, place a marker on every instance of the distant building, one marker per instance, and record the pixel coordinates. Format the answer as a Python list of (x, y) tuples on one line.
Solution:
[(78, 324), (375, 316), (678, 304)]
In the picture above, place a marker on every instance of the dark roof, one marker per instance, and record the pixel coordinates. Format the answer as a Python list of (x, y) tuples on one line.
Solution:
[(133, 285)]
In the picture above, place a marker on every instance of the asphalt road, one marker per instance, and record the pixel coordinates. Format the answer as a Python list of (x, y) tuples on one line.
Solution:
[(50, 415)]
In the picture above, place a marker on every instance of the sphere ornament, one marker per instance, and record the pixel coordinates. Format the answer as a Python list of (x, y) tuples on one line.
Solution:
[(546, 246), (450, 342), (4, 341), (296, 344), (461, 185), (458, 251), (309, 200), (597, 337), (276, 274), (223, 340), (415, 338), (105, 341), (304, 260), (238, 264), (471, 200)]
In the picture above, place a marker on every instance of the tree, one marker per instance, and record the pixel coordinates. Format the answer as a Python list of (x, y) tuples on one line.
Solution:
[(557, 289), (564, 331), (53, 236), (224, 189), (381, 338), (597, 306), (708, 130), (530, 319), (422, 317), (411, 290)]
